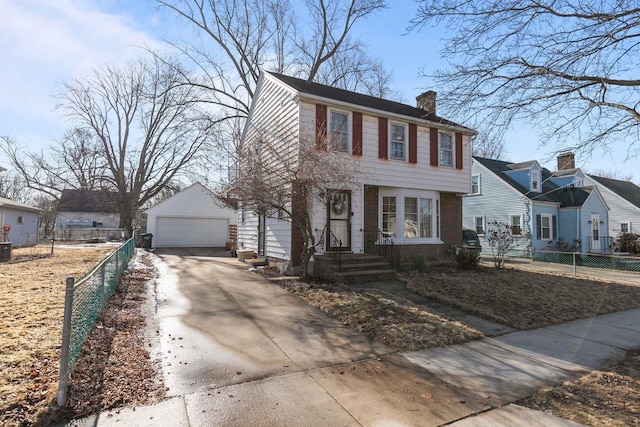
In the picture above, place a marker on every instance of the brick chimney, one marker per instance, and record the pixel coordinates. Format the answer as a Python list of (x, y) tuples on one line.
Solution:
[(427, 101), (566, 161)]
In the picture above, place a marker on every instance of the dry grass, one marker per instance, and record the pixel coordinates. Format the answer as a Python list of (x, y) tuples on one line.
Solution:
[(522, 299), (32, 301), (385, 318), (602, 398)]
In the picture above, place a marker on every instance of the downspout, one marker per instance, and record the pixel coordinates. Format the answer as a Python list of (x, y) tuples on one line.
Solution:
[(578, 228)]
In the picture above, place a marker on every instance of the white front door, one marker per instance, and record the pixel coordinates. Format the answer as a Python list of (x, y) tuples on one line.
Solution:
[(595, 232)]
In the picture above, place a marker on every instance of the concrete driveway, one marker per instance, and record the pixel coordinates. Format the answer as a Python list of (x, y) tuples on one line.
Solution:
[(239, 350)]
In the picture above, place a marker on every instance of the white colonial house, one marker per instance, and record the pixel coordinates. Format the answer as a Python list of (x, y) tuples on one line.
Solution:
[(415, 167)]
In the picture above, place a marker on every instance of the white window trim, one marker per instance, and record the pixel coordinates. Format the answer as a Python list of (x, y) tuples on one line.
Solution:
[(453, 149), (539, 189), (400, 195), (406, 141), (484, 225), (628, 226), (479, 185), (550, 238), (349, 130), (511, 224)]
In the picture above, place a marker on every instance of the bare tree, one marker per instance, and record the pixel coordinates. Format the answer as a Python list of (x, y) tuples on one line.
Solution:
[(276, 181), (76, 161), (567, 67), (48, 213), (484, 145), (148, 123), (242, 37), (612, 174), (13, 187)]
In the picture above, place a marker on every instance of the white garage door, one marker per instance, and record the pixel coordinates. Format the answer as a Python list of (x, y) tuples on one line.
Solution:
[(190, 232)]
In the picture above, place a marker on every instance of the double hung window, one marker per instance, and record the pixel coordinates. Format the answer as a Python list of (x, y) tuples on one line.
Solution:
[(418, 218), (389, 215), (516, 225), (475, 184), (446, 149), (339, 131), (398, 141)]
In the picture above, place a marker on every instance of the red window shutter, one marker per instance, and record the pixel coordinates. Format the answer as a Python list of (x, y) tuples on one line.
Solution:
[(433, 146), (458, 150), (413, 143), (357, 134), (383, 139), (321, 127)]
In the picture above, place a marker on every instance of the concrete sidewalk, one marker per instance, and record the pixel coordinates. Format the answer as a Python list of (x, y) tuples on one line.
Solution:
[(238, 351)]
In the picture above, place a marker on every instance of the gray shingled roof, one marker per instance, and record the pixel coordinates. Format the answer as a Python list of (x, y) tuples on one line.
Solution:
[(329, 92), (625, 189), (551, 192), (88, 201)]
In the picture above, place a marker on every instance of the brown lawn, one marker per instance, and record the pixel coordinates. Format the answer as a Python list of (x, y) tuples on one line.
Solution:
[(32, 304), (31, 325), (520, 299)]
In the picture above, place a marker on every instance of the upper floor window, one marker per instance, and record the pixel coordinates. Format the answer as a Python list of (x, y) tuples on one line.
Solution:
[(446, 149), (339, 131), (475, 184), (398, 141), (535, 180), (20, 220)]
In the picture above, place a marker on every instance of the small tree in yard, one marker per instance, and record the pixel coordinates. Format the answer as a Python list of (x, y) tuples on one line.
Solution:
[(501, 241), (284, 175)]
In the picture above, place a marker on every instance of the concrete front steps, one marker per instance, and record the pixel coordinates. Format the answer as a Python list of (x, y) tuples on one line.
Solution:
[(348, 267)]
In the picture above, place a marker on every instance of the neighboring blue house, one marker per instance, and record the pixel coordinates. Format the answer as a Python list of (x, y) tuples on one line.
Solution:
[(547, 210)]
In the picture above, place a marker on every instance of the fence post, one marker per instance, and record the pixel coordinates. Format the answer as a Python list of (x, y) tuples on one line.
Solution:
[(66, 342), (574, 265)]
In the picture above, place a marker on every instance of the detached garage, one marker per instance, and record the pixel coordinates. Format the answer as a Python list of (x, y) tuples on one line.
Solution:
[(191, 218)]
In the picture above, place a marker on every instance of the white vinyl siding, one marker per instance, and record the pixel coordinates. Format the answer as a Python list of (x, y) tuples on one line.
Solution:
[(398, 174), (620, 210)]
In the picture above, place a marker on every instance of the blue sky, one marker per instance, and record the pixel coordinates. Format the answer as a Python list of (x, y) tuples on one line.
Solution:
[(47, 43)]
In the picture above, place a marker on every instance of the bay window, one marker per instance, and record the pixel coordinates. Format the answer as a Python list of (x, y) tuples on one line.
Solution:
[(418, 214)]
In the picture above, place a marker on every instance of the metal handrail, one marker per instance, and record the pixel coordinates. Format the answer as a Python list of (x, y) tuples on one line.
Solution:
[(378, 242), (339, 251)]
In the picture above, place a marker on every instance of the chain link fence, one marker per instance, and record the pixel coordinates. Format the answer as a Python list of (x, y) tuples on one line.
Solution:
[(84, 299), (620, 262)]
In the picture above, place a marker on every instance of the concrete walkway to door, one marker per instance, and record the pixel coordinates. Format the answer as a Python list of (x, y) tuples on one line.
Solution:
[(237, 350)]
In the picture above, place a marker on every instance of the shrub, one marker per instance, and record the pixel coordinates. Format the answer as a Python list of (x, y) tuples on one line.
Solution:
[(417, 263), (628, 242), (467, 260)]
